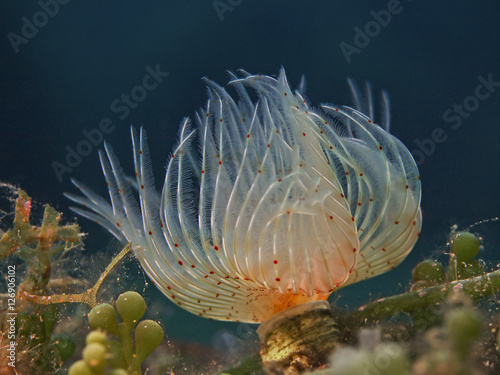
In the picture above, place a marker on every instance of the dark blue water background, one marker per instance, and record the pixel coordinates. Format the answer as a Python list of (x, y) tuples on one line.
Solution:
[(84, 56)]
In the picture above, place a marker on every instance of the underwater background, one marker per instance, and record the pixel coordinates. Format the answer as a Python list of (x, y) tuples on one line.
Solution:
[(65, 68)]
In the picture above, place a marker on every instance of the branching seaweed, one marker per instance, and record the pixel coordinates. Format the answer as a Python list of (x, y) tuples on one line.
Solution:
[(36, 312)]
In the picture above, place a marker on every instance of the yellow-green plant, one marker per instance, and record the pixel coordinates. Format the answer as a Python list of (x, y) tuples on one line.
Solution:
[(103, 355)]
